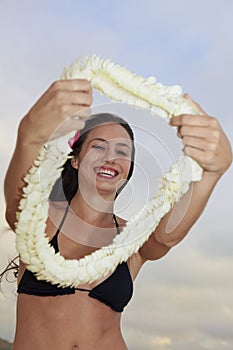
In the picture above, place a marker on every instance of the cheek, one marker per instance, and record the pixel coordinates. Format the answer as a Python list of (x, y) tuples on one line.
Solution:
[(125, 165), (85, 166), (89, 158)]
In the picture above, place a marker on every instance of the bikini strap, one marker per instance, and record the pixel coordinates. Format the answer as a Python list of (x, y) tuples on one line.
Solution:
[(66, 212), (63, 219), (116, 223), (53, 241)]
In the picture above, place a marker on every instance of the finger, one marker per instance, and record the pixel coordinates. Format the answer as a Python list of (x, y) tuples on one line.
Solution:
[(204, 158), (199, 143), (194, 153), (82, 114), (77, 112), (194, 103), (195, 131), (80, 98), (190, 119), (67, 126), (178, 132), (72, 85), (63, 98)]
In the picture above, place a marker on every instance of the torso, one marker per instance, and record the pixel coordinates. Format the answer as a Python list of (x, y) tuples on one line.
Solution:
[(70, 322)]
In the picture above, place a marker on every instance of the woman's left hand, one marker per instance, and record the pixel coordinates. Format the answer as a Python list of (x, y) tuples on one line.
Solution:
[(204, 140)]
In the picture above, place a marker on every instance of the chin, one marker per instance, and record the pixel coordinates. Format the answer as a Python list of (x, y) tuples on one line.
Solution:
[(107, 190)]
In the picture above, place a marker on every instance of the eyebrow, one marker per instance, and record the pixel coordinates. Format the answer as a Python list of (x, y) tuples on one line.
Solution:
[(103, 140)]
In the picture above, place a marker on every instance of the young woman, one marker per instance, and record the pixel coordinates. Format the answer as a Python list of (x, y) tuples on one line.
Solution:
[(81, 214)]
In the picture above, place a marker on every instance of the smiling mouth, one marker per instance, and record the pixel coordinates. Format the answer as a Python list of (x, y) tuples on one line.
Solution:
[(106, 172)]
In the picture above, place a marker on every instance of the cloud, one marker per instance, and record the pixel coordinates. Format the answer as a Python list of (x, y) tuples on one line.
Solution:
[(161, 341), (186, 297), (8, 317), (144, 340)]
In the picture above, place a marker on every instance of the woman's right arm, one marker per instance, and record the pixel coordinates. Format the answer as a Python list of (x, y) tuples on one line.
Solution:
[(50, 117)]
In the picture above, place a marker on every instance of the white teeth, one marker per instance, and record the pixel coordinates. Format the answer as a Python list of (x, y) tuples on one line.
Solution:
[(106, 172)]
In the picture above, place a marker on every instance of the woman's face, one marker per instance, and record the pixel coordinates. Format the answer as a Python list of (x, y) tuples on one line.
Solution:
[(105, 158)]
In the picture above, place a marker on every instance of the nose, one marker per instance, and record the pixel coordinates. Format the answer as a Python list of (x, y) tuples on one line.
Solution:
[(109, 156)]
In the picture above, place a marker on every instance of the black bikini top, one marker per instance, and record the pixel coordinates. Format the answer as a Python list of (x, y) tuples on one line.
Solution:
[(115, 291)]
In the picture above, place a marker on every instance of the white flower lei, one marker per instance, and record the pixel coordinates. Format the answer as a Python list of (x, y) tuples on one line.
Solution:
[(32, 243)]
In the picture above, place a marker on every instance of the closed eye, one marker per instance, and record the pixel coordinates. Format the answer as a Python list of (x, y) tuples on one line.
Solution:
[(122, 153), (98, 147)]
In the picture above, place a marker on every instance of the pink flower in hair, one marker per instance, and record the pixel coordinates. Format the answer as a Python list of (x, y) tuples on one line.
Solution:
[(74, 139)]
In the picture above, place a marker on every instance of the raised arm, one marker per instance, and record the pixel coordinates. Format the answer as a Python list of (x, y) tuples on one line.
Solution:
[(52, 116), (205, 141)]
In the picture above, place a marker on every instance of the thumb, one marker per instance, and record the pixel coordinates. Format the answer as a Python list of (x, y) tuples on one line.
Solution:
[(195, 104)]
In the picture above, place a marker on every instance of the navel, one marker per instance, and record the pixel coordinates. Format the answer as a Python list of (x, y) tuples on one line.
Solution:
[(74, 347)]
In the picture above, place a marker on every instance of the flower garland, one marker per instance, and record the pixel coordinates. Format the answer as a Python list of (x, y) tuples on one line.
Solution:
[(32, 243)]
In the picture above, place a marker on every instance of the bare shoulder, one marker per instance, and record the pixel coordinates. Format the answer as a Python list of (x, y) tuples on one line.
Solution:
[(151, 249)]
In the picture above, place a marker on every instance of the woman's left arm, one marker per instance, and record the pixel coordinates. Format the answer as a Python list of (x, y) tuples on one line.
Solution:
[(205, 141)]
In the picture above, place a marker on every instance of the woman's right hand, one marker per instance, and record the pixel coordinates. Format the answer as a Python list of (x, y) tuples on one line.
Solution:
[(53, 115), (49, 118)]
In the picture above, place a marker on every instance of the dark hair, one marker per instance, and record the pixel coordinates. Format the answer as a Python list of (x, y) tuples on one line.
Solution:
[(67, 184)]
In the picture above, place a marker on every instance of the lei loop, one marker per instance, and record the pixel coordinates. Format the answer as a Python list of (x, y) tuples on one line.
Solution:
[(32, 243)]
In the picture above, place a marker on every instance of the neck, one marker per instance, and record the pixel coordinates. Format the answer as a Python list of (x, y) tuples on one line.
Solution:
[(97, 211)]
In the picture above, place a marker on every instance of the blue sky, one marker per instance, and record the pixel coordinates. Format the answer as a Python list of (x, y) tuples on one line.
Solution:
[(184, 300)]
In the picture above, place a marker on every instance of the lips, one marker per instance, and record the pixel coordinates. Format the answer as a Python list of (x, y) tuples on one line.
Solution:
[(106, 172)]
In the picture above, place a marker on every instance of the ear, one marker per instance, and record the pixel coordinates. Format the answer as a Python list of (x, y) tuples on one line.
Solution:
[(74, 162)]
